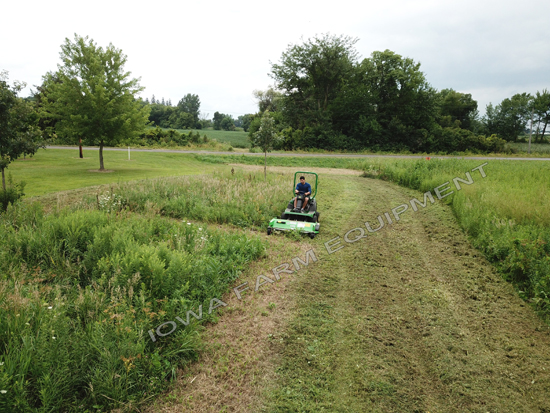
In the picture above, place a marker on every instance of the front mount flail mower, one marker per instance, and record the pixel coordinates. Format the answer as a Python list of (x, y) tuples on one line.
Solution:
[(297, 219)]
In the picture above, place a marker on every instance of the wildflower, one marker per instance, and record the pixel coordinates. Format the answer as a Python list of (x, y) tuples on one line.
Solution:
[(188, 223), (3, 391), (49, 308)]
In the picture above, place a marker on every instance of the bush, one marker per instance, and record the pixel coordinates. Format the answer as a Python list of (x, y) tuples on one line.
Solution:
[(12, 193), (79, 291)]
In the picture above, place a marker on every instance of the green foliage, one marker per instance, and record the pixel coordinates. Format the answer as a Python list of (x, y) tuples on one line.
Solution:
[(12, 193), (311, 76), (509, 119), (223, 122), (80, 289), (541, 109), (92, 97), (456, 109), (269, 99), (244, 200), (505, 214), (190, 104), (19, 132), (460, 140), (405, 103)]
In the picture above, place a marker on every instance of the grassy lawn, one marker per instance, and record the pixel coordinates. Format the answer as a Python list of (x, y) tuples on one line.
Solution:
[(235, 138), (54, 170)]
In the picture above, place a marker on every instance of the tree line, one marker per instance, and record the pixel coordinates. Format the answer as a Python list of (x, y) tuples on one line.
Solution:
[(324, 97)]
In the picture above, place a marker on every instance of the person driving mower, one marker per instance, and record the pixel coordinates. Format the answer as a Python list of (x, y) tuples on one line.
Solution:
[(302, 188)]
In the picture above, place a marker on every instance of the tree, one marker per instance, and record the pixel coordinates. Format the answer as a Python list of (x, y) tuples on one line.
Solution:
[(217, 120), (96, 97), (509, 119), (455, 106), (268, 99), (541, 109), (227, 123), (222, 121), (311, 76), (266, 137), (19, 131), (401, 111), (191, 104)]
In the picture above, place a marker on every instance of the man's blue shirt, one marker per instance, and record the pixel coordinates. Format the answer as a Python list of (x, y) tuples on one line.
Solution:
[(303, 187)]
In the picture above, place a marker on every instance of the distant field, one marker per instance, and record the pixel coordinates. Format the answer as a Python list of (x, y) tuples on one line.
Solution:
[(235, 138), (53, 170), (543, 148)]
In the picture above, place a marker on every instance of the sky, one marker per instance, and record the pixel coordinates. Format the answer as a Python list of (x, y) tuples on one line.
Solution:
[(223, 50)]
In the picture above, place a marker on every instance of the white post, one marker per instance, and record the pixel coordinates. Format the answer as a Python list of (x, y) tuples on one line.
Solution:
[(531, 131)]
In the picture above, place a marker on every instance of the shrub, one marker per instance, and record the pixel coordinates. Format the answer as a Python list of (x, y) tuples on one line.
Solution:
[(12, 193)]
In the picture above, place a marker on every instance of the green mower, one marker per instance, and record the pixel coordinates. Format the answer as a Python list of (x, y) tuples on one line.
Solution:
[(299, 219)]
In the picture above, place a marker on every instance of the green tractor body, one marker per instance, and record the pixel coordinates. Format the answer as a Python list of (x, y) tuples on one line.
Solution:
[(295, 220)]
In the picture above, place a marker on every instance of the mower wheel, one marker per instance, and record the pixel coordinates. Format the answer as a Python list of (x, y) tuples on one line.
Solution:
[(312, 235), (269, 230), (317, 216)]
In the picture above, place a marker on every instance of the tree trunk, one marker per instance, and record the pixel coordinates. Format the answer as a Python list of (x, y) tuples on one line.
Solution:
[(101, 167), (3, 180), (544, 130), (80, 147), (265, 166)]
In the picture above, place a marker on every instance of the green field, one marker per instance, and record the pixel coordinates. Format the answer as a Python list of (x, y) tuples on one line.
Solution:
[(536, 148), (73, 272), (53, 170), (237, 139)]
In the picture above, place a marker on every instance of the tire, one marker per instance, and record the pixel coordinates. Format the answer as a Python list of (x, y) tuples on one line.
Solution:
[(269, 230), (317, 216), (312, 235), (284, 216)]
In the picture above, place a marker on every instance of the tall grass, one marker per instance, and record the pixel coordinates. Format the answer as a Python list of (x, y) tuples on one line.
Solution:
[(239, 198), (80, 288), (506, 213)]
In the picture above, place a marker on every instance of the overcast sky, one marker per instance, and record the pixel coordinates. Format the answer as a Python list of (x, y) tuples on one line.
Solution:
[(221, 50)]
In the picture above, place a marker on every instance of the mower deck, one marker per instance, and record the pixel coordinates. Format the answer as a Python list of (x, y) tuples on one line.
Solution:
[(306, 222)]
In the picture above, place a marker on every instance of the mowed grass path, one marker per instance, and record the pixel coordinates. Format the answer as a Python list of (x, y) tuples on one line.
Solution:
[(53, 170), (410, 319)]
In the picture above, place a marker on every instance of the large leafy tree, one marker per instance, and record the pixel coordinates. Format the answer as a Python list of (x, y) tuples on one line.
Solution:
[(455, 106), (94, 97), (19, 131), (541, 109), (191, 104), (311, 76), (509, 119), (401, 102)]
